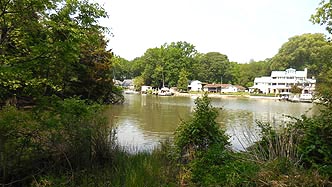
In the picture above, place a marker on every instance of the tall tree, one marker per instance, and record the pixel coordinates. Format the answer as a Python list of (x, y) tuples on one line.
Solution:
[(213, 67), (45, 44), (323, 16), (183, 80), (298, 52)]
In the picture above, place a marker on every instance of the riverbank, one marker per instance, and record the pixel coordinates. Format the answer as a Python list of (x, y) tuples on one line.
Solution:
[(218, 95)]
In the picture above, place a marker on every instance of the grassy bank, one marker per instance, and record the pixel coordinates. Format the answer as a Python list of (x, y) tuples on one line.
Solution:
[(125, 169)]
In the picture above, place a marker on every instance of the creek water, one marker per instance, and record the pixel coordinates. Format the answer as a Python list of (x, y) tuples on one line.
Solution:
[(143, 121)]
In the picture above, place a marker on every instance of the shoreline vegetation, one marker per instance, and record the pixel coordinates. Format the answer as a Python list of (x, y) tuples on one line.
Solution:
[(218, 95), (71, 144)]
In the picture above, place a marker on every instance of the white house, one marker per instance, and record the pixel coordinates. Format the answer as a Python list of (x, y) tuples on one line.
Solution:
[(282, 81), (227, 88), (195, 86), (223, 88)]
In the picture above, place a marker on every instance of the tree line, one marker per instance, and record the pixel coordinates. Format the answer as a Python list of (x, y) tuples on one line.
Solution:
[(178, 62)]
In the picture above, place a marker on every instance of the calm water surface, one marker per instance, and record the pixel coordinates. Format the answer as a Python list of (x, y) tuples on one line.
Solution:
[(145, 120)]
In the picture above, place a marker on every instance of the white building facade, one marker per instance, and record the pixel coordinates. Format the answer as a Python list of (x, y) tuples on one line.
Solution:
[(282, 81), (195, 86)]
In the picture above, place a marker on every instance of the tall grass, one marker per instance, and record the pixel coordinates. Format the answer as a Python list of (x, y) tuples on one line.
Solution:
[(126, 169), (273, 142), (275, 150)]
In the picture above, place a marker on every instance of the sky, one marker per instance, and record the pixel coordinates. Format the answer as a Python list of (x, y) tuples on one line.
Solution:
[(243, 30)]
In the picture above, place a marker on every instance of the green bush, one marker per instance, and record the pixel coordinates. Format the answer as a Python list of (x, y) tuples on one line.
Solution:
[(315, 136), (200, 140), (202, 131), (220, 167), (66, 136)]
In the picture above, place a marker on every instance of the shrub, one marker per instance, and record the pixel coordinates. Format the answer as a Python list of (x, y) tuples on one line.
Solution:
[(200, 141), (202, 131), (315, 136), (60, 138)]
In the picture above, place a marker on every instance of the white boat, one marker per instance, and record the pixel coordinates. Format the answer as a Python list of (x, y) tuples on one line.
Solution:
[(306, 98)]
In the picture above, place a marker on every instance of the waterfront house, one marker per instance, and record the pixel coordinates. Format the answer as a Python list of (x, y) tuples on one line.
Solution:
[(282, 81), (228, 88), (128, 84), (196, 86), (223, 88), (212, 88), (240, 88)]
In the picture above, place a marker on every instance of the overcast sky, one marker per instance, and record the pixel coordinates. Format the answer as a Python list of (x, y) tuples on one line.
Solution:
[(241, 29)]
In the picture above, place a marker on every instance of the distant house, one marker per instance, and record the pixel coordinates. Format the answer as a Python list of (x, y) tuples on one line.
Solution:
[(212, 88), (282, 81), (240, 88), (128, 84), (227, 88), (223, 88), (195, 86)]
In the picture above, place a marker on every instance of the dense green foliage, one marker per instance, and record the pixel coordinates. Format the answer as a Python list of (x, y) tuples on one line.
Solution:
[(202, 131), (315, 140), (183, 80), (53, 47), (323, 15), (297, 153), (69, 135), (200, 144)]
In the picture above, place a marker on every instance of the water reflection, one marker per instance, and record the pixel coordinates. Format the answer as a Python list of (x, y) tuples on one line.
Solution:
[(144, 120)]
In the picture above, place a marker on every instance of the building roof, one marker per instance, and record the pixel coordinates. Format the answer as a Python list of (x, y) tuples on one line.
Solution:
[(289, 73), (240, 87), (127, 82), (263, 79), (195, 81), (217, 86)]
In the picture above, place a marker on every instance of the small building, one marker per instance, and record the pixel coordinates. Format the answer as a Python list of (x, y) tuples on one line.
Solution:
[(195, 86), (212, 88), (228, 88), (223, 88), (240, 88), (128, 84)]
